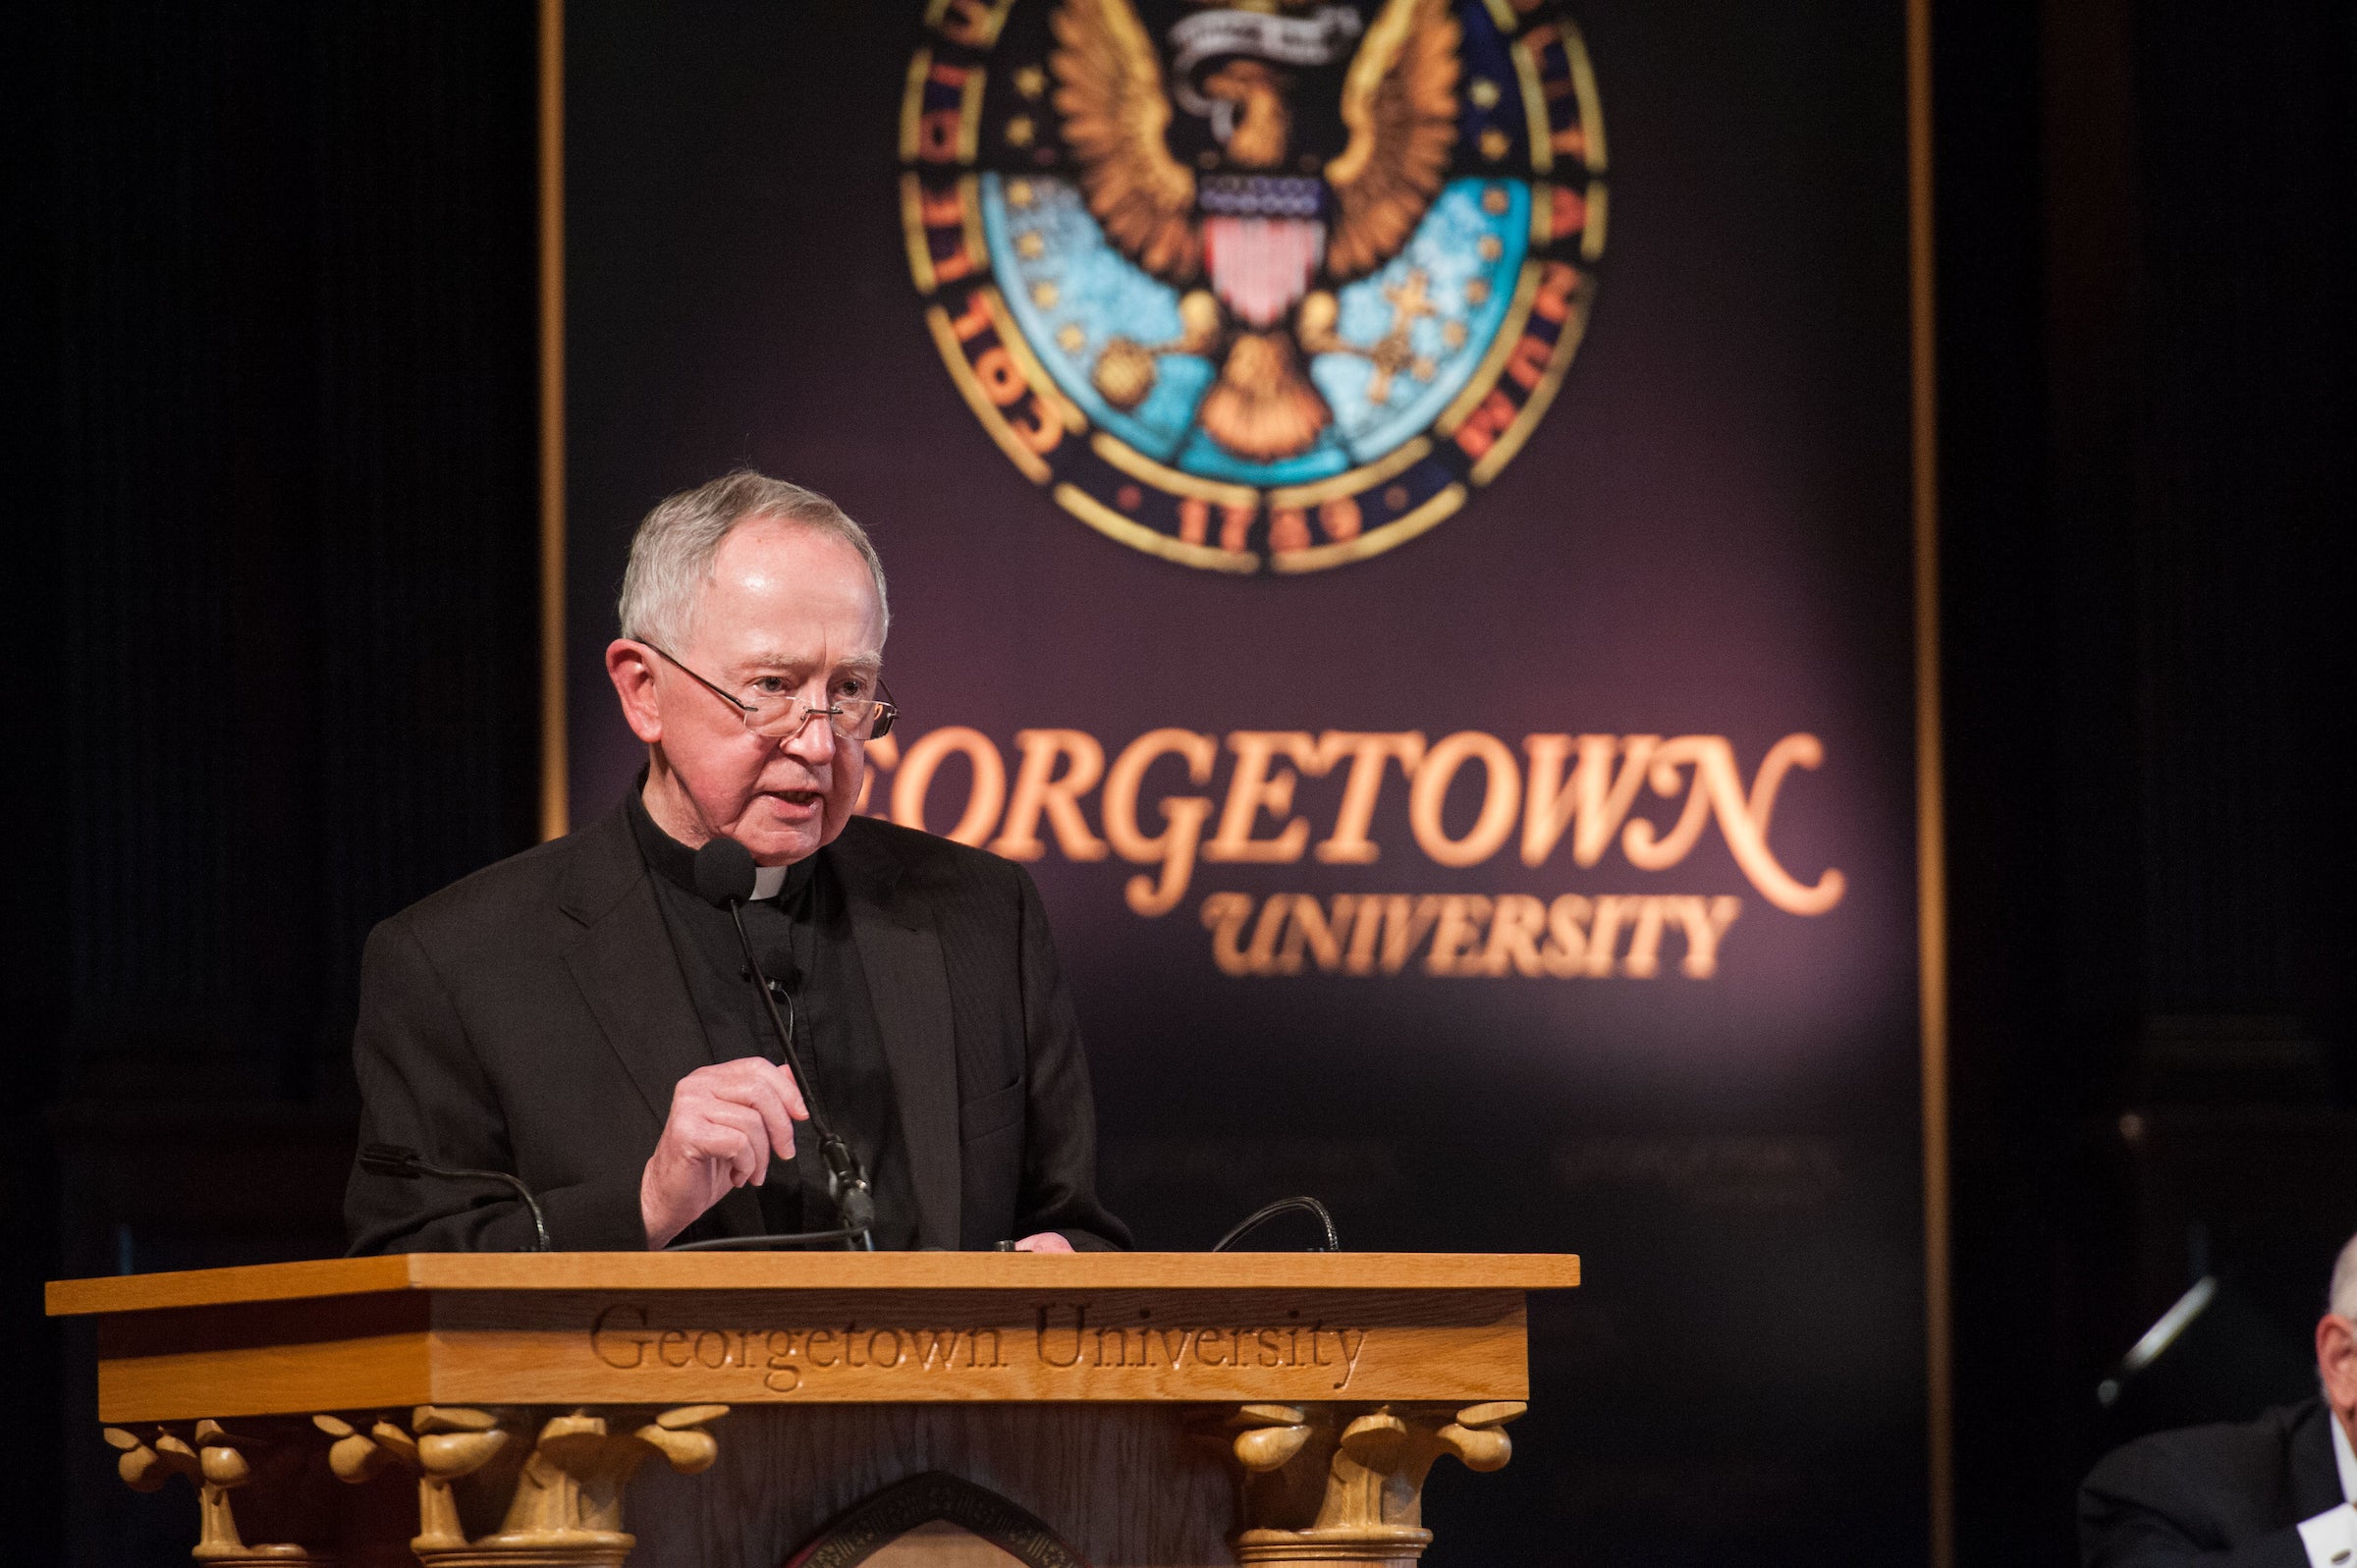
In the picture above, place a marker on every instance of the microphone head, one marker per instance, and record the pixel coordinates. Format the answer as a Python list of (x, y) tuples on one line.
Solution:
[(724, 872)]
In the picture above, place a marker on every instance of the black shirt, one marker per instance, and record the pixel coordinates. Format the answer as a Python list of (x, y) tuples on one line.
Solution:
[(802, 938)]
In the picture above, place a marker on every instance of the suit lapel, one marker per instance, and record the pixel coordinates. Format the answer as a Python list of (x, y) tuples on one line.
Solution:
[(908, 987), (2315, 1469), (625, 968)]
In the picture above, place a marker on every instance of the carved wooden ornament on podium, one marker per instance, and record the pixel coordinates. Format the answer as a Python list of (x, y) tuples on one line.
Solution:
[(459, 1411)]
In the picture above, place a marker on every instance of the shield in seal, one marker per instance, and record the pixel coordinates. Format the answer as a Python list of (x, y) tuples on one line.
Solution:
[(1255, 288)]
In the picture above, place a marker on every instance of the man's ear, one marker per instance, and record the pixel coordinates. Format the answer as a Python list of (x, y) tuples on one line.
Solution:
[(2337, 1362), (634, 675)]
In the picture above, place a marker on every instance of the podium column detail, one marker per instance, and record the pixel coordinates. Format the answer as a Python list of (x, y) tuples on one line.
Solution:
[(554, 1480), (1344, 1483)]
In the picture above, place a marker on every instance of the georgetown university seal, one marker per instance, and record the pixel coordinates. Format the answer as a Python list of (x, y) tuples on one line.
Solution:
[(1259, 287)]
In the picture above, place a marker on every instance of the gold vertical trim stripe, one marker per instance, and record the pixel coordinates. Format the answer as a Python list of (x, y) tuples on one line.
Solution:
[(555, 776), (1931, 825), (1591, 237)]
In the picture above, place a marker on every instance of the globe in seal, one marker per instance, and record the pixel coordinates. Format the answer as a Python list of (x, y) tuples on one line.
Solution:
[(1268, 286)]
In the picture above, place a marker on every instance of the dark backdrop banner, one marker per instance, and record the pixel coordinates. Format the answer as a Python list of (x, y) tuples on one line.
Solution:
[(1400, 515)]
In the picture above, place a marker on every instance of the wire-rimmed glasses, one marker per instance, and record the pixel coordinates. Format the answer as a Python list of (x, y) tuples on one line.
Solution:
[(783, 714)]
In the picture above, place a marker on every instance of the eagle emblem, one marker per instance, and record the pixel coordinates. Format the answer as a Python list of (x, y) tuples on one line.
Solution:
[(1254, 286)]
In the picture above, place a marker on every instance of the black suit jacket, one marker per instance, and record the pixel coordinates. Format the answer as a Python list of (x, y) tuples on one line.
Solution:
[(2226, 1496), (532, 1018)]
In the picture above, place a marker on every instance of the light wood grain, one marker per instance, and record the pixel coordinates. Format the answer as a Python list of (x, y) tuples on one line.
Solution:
[(336, 1374), (827, 1271), (756, 1348), (267, 1357), (197, 1287), (800, 1346)]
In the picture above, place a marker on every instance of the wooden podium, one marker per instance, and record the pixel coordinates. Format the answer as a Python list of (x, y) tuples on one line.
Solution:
[(1140, 1409)]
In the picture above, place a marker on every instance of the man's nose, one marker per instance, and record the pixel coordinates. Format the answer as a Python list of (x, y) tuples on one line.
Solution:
[(814, 743)]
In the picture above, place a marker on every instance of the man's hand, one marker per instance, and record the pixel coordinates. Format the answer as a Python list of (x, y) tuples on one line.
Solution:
[(1045, 1241), (725, 1119)]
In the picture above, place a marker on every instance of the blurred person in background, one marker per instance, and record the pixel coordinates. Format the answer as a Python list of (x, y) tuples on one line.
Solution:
[(2273, 1492)]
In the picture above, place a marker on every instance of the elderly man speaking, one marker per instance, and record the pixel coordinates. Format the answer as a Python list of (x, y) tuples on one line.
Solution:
[(584, 1018)]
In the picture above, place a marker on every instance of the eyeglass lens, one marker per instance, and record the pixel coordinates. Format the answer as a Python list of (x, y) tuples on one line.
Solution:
[(850, 720)]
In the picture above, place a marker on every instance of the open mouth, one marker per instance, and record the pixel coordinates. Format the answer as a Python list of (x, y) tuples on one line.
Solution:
[(799, 799)]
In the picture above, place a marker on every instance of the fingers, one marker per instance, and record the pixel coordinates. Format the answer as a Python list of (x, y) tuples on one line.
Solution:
[(755, 1096), (725, 1121), (698, 1159), (732, 1136), (749, 1160), (1044, 1241), (763, 1087), (771, 1093), (795, 1106)]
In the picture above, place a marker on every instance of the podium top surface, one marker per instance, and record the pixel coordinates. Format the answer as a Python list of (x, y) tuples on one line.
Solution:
[(637, 1272)]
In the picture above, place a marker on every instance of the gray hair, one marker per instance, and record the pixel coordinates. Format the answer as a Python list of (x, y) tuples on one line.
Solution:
[(672, 554), (2343, 1297)]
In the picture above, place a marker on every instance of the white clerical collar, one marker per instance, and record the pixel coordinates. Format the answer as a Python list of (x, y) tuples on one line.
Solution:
[(2342, 1457), (767, 879)]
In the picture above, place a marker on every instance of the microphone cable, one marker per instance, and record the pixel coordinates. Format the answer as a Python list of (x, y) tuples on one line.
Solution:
[(1268, 1211), (724, 875), (407, 1164), (783, 1239), (846, 1183)]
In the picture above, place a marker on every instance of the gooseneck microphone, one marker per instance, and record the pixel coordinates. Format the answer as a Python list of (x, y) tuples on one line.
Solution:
[(1262, 1215), (724, 878), (407, 1164)]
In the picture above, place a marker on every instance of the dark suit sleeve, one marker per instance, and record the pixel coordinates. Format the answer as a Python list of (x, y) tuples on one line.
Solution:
[(1060, 1157), (422, 1086), (2145, 1507)]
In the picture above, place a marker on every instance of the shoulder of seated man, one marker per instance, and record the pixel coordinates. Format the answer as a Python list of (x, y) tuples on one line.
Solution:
[(2259, 1446)]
